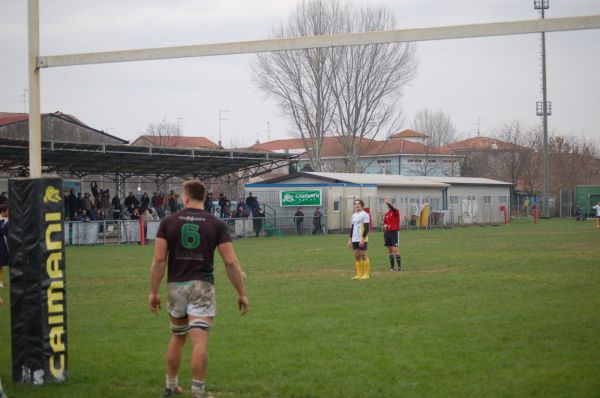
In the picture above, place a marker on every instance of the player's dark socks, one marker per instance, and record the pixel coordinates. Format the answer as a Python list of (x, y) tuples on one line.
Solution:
[(391, 261), (399, 261)]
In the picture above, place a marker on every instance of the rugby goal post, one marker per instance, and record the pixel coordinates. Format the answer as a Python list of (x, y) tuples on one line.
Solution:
[(50, 360)]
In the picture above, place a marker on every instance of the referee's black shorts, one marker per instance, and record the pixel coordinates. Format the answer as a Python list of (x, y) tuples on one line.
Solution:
[(391, 238)]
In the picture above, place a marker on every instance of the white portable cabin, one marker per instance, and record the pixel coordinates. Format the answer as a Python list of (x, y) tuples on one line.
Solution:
[(474, 200), (339, 190)]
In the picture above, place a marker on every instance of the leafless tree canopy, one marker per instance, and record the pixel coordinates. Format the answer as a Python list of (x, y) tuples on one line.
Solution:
[(351, 92), (163, 133), (571, 161), (437, 125)]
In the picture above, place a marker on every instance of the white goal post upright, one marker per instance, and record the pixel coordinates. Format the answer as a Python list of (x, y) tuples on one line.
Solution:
[(35, 119)]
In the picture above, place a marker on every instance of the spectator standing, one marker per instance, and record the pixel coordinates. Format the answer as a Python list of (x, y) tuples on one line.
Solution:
[(159, 205), (71, 202), (4, 225), (208, 203), (144, 202), (258, 215), (131, 201), (94, 189), (88, 205), (79, 204), (252, 202), (298, 220), (116, 206), (3, 258), (3, 198), (187, 241), (2, 393), (222, 199), (226, 208), (597, 208), (172, 201), (105, 201), (317, 226)]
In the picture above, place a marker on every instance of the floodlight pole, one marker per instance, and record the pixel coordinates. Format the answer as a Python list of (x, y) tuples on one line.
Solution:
[(544, 5), (35, 119)]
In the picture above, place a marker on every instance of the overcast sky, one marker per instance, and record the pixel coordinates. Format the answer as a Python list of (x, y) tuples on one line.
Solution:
[(481, 83)]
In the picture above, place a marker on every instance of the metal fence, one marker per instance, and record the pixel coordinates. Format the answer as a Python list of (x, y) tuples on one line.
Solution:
[(108, 232), (125, 231), (273, 224)]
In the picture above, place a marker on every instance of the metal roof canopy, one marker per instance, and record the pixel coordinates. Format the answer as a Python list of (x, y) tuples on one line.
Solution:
[(35, 61), (105, 159)]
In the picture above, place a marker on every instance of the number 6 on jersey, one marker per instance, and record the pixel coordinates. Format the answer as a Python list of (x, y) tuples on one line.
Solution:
[(190, 238)]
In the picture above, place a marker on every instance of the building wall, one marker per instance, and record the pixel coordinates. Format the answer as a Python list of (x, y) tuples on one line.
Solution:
[(478, 204), (409, 165)]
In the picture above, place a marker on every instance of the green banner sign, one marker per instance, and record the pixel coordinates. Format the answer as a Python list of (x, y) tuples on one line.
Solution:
[(300, 198)]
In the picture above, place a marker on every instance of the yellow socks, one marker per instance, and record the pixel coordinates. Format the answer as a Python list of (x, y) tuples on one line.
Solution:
[(358, 270), (366, 267)]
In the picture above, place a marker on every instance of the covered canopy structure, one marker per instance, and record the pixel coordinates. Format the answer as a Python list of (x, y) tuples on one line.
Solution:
[(83, 159)]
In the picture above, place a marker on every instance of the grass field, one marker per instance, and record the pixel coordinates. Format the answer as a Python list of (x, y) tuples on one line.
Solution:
[(478, 312)]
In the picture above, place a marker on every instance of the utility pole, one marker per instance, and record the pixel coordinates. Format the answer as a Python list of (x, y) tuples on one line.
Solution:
[(24, 95), (268, 131), (221, 111), (544, 109), (179, 119)]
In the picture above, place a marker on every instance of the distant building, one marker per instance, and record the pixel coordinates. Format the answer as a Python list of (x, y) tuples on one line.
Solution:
[(410, 135), (57, 126), (174, 141), (398, 155)]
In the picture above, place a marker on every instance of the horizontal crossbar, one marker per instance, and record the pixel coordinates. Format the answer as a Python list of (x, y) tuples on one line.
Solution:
[(348, 39)]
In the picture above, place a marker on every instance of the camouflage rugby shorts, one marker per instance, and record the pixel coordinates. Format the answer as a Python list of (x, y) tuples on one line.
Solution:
[(195, 298)]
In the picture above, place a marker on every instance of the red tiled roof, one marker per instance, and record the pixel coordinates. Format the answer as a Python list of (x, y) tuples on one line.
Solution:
[(408, 133), (181, 142), (479, 143), (333, 147), (8, 118), (279, 145)]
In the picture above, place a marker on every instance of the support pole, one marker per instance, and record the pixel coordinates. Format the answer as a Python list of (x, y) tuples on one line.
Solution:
[(35, 119), (546, 177)]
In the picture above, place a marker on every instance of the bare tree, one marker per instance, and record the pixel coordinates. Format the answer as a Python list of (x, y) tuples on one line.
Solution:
[(531, 173), (351, 92), (297, 79), (514, 153), (367, 81), (571, 161), (163, 134), (437, 125)]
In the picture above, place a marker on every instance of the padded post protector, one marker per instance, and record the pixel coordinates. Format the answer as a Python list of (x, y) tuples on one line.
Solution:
[(37, 281)]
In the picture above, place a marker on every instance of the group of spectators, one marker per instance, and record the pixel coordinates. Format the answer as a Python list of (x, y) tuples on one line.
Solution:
[(317, 221), (97, 205), (245, 208)]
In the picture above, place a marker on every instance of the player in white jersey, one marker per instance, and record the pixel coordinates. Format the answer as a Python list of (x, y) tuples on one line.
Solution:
[(359, 239)]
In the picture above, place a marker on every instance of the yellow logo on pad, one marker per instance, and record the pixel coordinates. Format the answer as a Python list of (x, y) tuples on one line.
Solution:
[(52, 195)]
